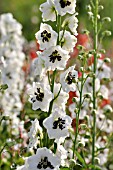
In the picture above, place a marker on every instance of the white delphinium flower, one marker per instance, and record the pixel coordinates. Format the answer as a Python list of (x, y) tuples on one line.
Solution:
[(55, 58), (48, 11), (35, 133), (68, 79), (43, 159), (58, 124), (46, 37), (83, 111), (65, 6), (72, 23), (88, 85), (23, 167), (40, 96), (62, 154), (38, 68), (8, 24), (103, 71), (68, 41), (104, 91), (62, 98), (103, 123)]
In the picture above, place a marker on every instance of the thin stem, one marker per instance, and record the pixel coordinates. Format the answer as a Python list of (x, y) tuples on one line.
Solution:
[(78, 113), (94, 78)]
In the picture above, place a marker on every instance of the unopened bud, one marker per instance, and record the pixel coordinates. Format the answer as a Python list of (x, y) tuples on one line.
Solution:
[(106, 19), (106, 33), (107, 60)]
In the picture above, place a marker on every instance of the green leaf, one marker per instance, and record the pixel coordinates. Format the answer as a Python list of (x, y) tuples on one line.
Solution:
[(4, 86), (64, 168), (80, 159)]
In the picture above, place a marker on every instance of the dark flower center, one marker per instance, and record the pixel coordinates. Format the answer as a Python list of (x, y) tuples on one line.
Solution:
[(59, 123), (64, 3), (100, 69), (44, 163), (55, 55), (39, 95), (70, 78), (45, 36)]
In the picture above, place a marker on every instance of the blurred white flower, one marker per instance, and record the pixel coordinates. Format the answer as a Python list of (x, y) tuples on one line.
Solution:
[(103, 71), (62, 98), (72, 23), (38, 68), (48, 11), (68, 41)]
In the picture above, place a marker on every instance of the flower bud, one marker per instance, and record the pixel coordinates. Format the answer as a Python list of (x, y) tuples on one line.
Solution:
[(106, 33), (102, 51), (88, 7), (107, 60), (108, 109), (100, 7), (106, 19)]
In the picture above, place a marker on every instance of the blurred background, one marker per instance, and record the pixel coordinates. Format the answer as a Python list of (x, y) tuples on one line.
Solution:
[(28, 14)]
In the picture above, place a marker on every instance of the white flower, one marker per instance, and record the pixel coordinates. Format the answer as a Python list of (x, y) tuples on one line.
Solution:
[(48, 11), (38, 68), (83, 111), (35, 133), (55, 58), (103, 71), (57, 124), (68, 41), (43, 159), (61, 100), (72, 23), (23, 167), (88, 87), (68, 79), (62, 153), (40, 96), (104, 91), (9, 25), (46, 37), (35, 128), (65, 6)]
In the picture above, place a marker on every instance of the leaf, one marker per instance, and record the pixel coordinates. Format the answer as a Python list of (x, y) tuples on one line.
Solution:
[(4, 86), (80, 159), (64, 168)]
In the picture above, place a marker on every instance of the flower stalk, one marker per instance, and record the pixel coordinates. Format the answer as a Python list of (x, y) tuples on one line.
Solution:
[(94, 78)]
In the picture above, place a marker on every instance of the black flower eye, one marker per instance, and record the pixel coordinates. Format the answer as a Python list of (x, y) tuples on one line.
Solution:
[(64, 3), (45, 36), (55, 55)]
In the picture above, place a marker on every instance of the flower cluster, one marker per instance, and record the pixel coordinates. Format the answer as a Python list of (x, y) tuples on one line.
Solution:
[(12, 60), (50, 93)]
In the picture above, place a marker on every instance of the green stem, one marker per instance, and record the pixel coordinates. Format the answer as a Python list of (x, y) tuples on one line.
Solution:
[(78, 113), (94, 78)]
